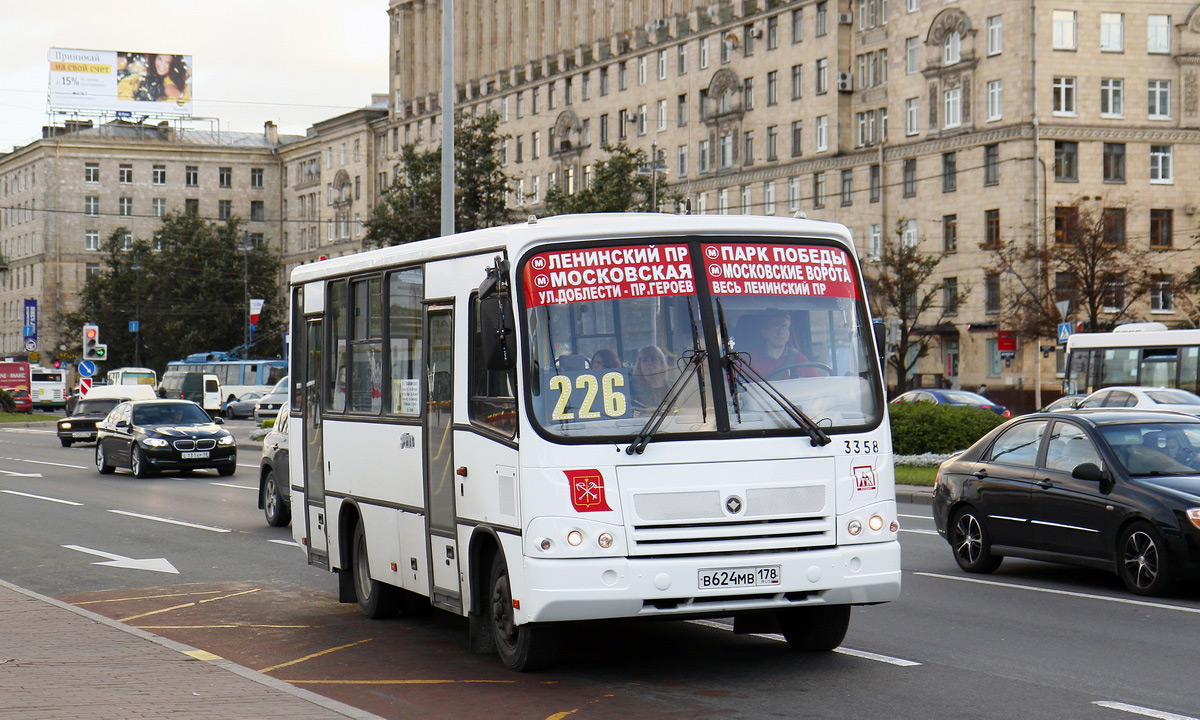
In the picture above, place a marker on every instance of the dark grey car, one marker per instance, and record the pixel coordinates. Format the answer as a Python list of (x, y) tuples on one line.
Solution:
[(274, 491)]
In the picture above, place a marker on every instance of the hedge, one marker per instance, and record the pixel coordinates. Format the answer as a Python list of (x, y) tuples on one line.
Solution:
[(927, 428)]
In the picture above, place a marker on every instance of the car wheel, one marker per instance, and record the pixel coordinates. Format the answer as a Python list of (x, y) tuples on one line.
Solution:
[(1144, 566), (819, 628), (971, 545), (102, 461), (277, 511), (139, 464), (227, 470), (375, 599), (521, 647), (65, 442)]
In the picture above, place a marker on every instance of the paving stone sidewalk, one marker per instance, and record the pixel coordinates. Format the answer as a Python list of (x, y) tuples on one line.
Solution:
[(61, 662)]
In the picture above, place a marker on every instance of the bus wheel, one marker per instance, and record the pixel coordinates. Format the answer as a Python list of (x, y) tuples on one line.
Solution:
[(819, 628), (522, 647), (376, 599)]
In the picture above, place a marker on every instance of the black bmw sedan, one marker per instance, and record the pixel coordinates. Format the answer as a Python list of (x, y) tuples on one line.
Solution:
[(148, 436), (1111, 489)]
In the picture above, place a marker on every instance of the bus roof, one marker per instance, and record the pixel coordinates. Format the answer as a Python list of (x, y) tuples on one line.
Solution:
[(1138, 338), (516, 237)]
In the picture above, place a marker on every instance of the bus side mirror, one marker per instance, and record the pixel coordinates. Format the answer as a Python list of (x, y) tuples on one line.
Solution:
[(880, 338), (499, 341)]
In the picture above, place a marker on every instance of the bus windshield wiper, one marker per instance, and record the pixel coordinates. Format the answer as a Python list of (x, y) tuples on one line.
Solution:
[(739, 367), (727, 352), (655, 421)]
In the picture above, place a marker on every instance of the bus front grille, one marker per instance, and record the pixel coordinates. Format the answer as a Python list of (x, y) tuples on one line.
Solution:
[(722, 537)]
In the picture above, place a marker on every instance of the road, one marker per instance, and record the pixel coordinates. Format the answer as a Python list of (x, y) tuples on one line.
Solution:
[(1032, 640)]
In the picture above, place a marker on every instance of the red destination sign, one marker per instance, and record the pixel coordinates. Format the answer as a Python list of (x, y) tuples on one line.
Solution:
[(614, 273), (788, 270)]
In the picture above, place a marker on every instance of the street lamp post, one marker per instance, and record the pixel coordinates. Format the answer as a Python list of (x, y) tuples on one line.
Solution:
[(245, 248), (137, 314)]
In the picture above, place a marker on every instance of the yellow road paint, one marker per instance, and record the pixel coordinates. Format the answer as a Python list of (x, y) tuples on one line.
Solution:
[(226, 597), (561, 715), (145, 597), (187, 605), (314, 655), (202, 655)]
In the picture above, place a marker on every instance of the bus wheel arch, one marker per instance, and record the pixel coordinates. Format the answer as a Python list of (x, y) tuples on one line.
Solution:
[(485, 546)]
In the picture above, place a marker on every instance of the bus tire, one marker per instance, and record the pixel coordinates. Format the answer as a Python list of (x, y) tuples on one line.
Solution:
[(818, 628), (523, 648), (375, 599)]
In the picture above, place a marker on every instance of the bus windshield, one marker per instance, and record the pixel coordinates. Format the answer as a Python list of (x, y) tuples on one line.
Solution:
[(767, 329)]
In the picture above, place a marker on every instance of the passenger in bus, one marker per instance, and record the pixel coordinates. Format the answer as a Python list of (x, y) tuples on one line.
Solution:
[(605, 358), (649, 378), (774, 356)]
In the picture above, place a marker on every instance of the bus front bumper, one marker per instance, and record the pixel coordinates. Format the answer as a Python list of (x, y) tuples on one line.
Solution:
[(600, 588)]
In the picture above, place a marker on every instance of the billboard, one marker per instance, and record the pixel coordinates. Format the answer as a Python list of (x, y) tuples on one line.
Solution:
[(117, 80)]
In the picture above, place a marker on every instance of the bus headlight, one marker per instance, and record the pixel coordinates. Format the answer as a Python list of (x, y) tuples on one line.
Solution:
[(545, 544), (604, 540), (854, 528), (875, 523), (574, 538)]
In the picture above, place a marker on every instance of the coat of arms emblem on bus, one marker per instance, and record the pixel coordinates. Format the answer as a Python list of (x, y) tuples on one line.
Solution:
[(587, 490)]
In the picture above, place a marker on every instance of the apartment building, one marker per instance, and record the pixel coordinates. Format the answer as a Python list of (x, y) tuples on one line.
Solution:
[(948, 123)]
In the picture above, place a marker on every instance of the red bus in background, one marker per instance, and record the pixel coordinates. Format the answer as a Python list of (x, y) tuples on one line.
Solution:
[(15, 378)]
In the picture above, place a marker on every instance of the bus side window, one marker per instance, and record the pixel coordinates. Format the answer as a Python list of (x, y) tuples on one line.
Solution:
[(493, 401)]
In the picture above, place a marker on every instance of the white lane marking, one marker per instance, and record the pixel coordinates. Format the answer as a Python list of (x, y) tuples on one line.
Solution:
[(154, 564), (289, 543), (918, 517), (1137, 710), (1068, 593), (919, 532), (247, 465), (17, 474), (43, 462), (170, 521), (42, 497), (862, 654), (238, 487), (30, 431)]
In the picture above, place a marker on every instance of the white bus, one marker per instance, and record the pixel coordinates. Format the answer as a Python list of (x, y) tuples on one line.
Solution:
[(132, 376), (1135, 354), (49, 387), (604, 416)]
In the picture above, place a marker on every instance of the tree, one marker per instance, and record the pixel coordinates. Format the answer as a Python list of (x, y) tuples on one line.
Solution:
[(185, 289), (411, 209), (1086, 262), (904, 297), (616, 186)]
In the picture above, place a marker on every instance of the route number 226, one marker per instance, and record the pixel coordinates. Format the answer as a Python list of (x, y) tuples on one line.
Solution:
[(612, 400)]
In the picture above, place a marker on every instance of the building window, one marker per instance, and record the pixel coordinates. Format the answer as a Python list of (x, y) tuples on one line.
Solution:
[(991, 228), (822, 76), (874, 182), (748, 148), (225, 177), (874, 242), (772, 143), (995, 35), (1066, 220), (952, 48), (912, 56), (909, 178), (1162, 297), (702, 155), (797, 25), (191, 176), (1113, 226), (191, 206), (1063, 95), (1114, 296), (256, 174), (949, 172), (91, 240), (797, 127), (681, 161), (125, 174), (257, 212), (1066, 161), (991, 293), (660, 108), (681, 110), (991, 164), (1162, 228), (744, 194), (91, 172), (794, 194), (1112, 97), (822, 19), (1064, 29), (995, 100), (224, 209), (1160, 164), (908, 234), (1159, 99), (847, 193), (768, 190), (819, 190), (950, 233), (773, 32), (125, 207), (797, 81), (641, 71), (1158, 34), (723, 201), (662, 64), (159, 175), (773, 88), (952, 108), (622, 80), (91, 206), (725, 148), (950, 295), (681, 59), (912, 116), (1114, 162), (822, 133), (158, 207), (703, 53), (1112, 32)]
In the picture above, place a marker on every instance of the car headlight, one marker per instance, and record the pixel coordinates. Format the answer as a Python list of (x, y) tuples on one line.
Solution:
[(227, 440), (154, 442), (1194, 515), (64, 426)]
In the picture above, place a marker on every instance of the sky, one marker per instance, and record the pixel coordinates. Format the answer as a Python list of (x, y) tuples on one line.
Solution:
[(294, 62)]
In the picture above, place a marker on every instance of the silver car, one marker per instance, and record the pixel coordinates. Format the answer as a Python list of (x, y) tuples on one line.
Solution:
[(268, 405)]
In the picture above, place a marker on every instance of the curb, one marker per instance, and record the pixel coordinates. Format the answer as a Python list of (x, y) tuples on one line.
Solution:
[(918, 494), (245, 672)]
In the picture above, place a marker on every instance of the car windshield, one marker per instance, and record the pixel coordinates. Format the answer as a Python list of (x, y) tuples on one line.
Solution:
[(1173, 397), (1155, 448), (960, 397), (96, 407), (617, 333), (170, 414), (281, 387)]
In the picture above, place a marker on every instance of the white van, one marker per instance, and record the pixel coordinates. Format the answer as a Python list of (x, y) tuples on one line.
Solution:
[(204, 389), (123, 392)]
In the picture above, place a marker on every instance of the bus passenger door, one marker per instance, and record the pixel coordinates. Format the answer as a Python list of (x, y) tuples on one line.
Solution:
[(439, 457), (316, 525)]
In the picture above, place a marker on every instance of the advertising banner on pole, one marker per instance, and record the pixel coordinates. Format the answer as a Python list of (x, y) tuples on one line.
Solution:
[(121, 80)]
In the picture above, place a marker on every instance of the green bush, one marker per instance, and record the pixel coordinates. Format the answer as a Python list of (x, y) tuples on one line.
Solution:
[(7, 402), (927, 428), (268, 423)]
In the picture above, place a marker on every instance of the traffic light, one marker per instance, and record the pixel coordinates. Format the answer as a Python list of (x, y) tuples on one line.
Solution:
[(93, 349)]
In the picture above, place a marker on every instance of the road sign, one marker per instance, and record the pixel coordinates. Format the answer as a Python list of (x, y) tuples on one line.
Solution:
[(87, 368), (133, 326), (30, 344), (1065, 330), (85, 385)]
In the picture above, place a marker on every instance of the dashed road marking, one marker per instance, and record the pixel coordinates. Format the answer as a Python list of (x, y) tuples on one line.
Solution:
[(42, 497), (235, 487), (1067, 593), (861, 654), (1145, 712), (44, 462), (170, 521)]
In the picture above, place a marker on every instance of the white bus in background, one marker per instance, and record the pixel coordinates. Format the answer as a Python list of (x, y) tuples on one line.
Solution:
[(49, 387), (588, 417), (132, 376), (1135, 354)]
